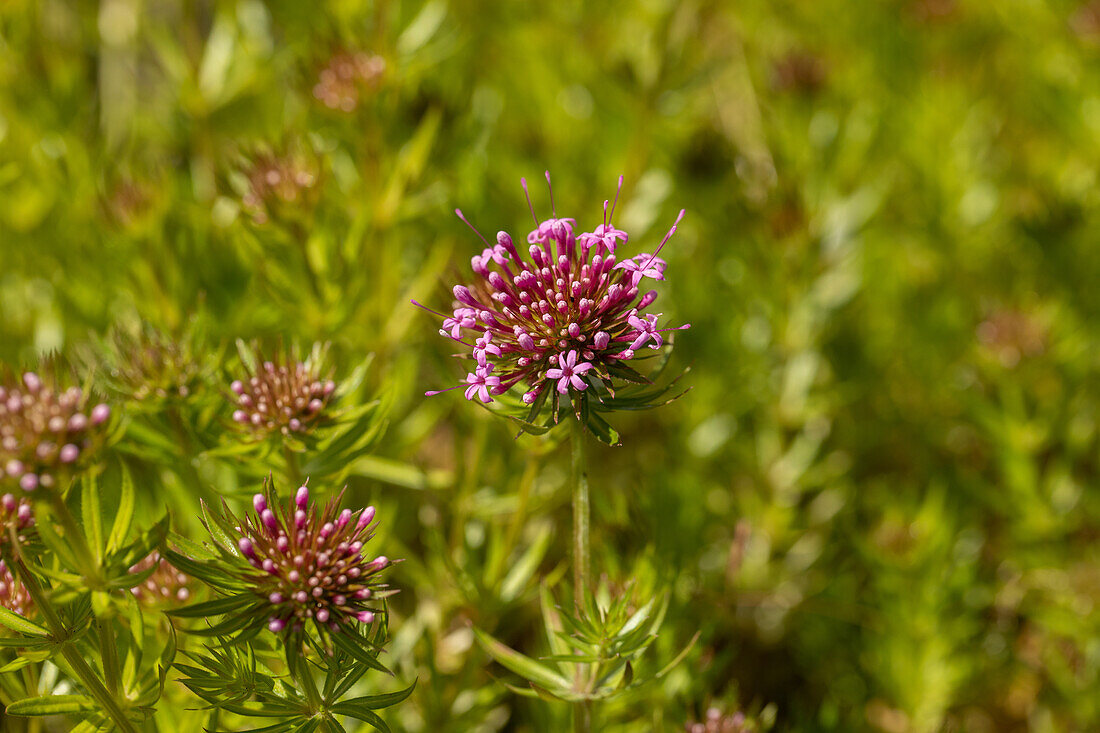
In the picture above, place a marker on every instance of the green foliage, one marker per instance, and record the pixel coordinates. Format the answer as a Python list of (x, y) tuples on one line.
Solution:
[(877, 505)]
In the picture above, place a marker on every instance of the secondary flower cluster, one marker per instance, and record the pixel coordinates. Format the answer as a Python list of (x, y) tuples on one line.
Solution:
[(14, 515), (284, 396), (557, 314), (44, 430), (13, 596), (346, 74), (165, 585), (716, 722), (309, 562)]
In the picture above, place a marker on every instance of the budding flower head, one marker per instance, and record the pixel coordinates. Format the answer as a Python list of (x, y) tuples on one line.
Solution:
[(16, 516), (46, 431), (279, 185), (345, 76), (282, 394), (308, 562), (715, 721), (147, 365), (164, 585), (559, 317), (13, 596)]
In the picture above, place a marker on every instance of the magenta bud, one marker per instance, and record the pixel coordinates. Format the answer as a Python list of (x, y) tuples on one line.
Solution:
[(24, 512), (237, 386), (295, 424), (256, 418), (78, 422), (299, 519), (363, 594), (315, 405), (240, 416), (339, 600), (330, 387), (259, 502), (302, 498), (601, 340), (276, 598), (56, 424), (322, 615), (268, 518), (69, 453), (380, 562), (100, 413), (326, 530), (32, 381), (29, 482), (366, 617), (276, 625), (8, 502), (14, 468), (365, 518), (301, 596), (530, 397), (647, 299), (462, 295), (268, 565), (246, 547), (343, 519)]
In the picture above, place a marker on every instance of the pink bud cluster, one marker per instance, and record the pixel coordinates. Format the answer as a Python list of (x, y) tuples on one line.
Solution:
[(557, 314), (285, 397), (13, 596), (309, 562), (43, 431), (716, 722), (15, 515), (165, 585), (346, 75)]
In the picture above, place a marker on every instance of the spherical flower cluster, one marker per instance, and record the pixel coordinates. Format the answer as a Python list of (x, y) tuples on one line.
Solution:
[(309, 562), (716, 722), (165, 585), (275, 181), (44, 431), (13, 596), (150, 365), (339, 83), (558, 315), (286, 397), (15, 515)]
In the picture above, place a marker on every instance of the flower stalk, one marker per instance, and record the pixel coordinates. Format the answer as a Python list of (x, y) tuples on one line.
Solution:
[(582, 710)]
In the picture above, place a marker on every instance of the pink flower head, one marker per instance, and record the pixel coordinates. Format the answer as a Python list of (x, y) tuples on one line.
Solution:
[(560, 312), (284, 394), (46, 432), (308, 562)]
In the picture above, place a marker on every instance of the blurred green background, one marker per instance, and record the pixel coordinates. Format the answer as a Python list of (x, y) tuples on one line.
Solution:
[(878, 504)]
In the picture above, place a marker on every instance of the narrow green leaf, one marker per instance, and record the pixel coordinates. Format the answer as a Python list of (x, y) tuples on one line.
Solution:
[(522, 665), (51, 705), (376, 702), (15, 622), (92, 515), (124, 515)]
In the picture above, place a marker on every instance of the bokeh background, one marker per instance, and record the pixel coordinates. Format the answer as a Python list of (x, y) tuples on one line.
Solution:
[(877, 505)]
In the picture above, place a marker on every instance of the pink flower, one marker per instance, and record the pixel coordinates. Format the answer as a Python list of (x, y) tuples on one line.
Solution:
[(479, 383), (568, 372)]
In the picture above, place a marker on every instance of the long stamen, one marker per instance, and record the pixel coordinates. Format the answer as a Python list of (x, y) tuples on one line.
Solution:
[(531, 206), (553, 210), (466, 221), (617, 192)]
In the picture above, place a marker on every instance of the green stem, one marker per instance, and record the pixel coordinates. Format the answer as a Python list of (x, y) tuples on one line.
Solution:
[(582, 711), (77, 664), (293, 468), (579, 480)]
